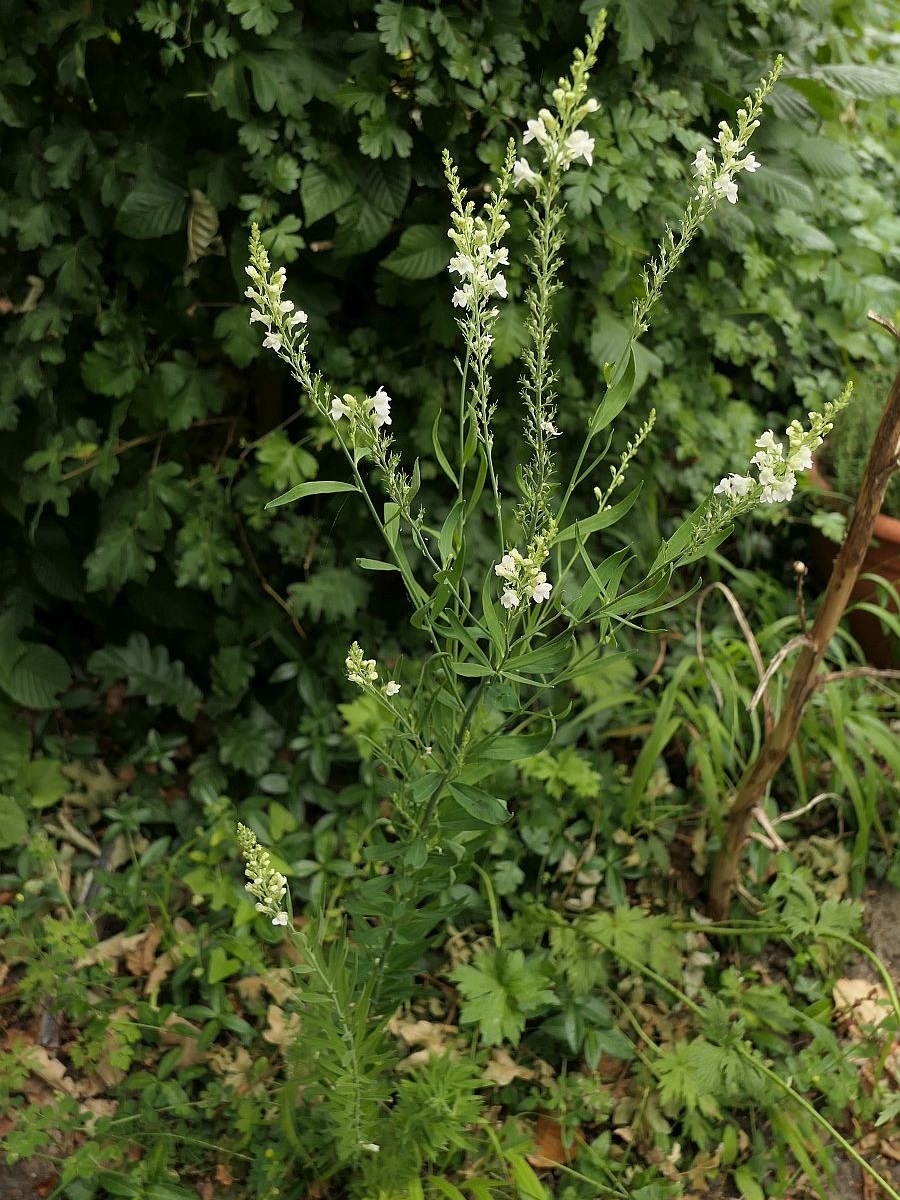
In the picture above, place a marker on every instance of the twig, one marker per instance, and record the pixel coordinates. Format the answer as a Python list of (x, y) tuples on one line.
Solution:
[(880, 466), (264, 583), (800, 640), (752, 646), (859, 673)]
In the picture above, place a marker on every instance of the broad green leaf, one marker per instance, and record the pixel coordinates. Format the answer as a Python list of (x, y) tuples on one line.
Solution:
[(41, 783), (13, 823), (640, 24), (315, 487), (322, 192), (514, 747), (423, 251), (868, 81), (33, 675), (152, 208)]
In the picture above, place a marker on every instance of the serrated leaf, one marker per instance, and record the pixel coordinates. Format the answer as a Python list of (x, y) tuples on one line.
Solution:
[(397, 23), (149, 672), (867, 81), (153, 208), (202, 227), (640, 25), (500, 991), (322, 192), (423, 251), (33, 675), (238, 339)]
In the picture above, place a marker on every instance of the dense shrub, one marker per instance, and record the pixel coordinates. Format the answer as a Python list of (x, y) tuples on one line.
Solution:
[(142, 433)]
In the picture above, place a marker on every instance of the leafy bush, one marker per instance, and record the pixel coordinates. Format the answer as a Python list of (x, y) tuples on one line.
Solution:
[(142, 432)]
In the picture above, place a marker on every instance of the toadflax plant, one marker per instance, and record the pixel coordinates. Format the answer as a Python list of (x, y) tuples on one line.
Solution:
[(495, 641)]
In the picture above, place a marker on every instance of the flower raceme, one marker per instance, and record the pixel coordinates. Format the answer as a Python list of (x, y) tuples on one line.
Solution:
[(376, 409), (522, 574), (264, 882), (715, 182), (364, 672), (777, 468)]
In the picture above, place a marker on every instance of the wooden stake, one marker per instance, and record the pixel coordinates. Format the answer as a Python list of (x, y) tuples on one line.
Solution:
[(883, 461)]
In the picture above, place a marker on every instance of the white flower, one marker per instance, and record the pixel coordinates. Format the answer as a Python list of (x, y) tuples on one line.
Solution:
[(286, 306), (463, 296), (550, 429), (462, 264), (778, 490), (750, 163), (702, 164), (381, 408), (580, 145), (260, 316), (522, 173), (253, 295), (800, 459), (391, 688), (272, 341), (591, 104), (280, 918), (509, 599), (372, 1147), (733, 485), (299, 318), (536, 131), (766, 441), (728, 188), (500, 257), (541, 591), (506, 568), (339, 408), (726, 140), (498, 284)]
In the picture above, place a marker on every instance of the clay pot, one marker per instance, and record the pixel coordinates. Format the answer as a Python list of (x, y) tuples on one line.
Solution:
[(880, 644)]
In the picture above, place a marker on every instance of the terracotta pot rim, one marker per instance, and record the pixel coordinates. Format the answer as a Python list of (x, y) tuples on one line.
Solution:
[(886, 529)]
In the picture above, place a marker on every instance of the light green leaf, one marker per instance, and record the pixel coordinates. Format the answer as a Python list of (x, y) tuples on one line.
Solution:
[(13, 824), (375, 564), (316, 487)]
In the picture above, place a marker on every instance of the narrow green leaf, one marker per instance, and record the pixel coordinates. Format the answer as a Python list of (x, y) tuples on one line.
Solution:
[(375, 564), (315, 487), (601, 520), (478, 803), (439, 454), (617, 396)]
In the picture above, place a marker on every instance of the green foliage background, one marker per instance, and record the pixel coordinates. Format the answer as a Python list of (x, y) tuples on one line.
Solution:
[(142, 431)]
